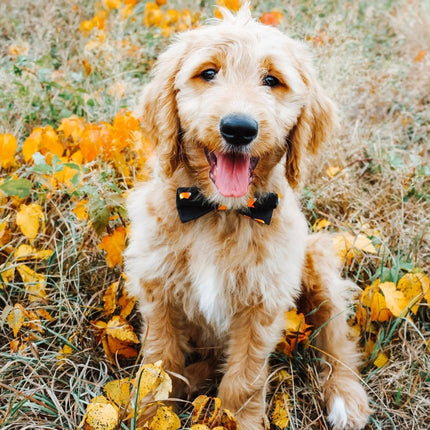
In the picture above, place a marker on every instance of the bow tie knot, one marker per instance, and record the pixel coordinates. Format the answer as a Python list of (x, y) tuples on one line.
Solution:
[(191, 204)]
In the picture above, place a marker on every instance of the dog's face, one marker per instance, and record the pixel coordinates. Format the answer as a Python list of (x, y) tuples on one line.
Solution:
[(229, 101)]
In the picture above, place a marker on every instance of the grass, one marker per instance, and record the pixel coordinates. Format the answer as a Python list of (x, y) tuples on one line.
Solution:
[(366, 54)]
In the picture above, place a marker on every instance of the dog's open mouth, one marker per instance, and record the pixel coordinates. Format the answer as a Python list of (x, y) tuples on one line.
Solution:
[(231, 172)]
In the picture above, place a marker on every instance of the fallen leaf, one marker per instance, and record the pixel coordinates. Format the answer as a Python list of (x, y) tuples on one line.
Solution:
[(165, 419), (321, 224), (28, 252), (395, 299), (109, 299), (152, 379), (420, 56), (280, 416), (414, 286), (8, 147), (119, 329), (332, 171), (273, 18), (381, 360), (118, 391), (207, 410), (348, 246), (35, 283), (80, 210), (29, 219), (15, 318), (101, 415), (114, 244)]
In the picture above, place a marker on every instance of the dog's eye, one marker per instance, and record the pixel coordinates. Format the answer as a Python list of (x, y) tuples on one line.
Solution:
[(270, 81), (209, 74)]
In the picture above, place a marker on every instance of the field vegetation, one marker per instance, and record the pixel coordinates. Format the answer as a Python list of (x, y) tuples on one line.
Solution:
[(70, 149)]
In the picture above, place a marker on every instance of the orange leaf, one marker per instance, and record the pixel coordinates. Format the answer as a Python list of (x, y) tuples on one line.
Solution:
[(420, 56), (8, 146), (72, 127), (96, 140), (272, 18), (114, 244)]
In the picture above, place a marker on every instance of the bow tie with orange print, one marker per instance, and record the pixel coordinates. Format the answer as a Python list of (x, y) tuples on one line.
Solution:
[(191, 204)]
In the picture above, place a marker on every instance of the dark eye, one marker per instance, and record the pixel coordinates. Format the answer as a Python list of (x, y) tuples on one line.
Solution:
[(270, 81), (209, 74)]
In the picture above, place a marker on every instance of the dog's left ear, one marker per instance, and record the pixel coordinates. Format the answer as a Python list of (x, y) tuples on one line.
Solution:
[(158, 110), (315, 124)]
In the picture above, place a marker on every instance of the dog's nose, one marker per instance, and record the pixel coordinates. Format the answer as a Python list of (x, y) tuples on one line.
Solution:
[(238, 129)]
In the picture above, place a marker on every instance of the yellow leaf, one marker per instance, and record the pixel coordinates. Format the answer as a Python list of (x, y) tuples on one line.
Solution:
[(199, 427), (29, 218), (118, 391), (35, 283), (28, 252), (151, 378), (101, 415), (280, 416), (114, 244), (345, 242), (5, 234), (121, 330), (372, 298), (295, 322), (126, 303), (381, 360), (206, 410), (414, 286), (321, 224), (7, 275), (165, 419), (152, 16), (8, 146), (80, 210), (109, 299), (111, 4), (332, 171), (15, 318), (44, 314), (395, 299)]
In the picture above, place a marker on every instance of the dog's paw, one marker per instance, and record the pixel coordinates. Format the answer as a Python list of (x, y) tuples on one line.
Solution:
[(348, 409)]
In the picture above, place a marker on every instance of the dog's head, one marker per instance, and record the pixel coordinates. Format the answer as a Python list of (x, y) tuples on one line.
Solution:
[(229, 101)]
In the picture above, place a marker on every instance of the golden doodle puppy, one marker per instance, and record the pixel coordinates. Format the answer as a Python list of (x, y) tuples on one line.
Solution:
[(219, 248)]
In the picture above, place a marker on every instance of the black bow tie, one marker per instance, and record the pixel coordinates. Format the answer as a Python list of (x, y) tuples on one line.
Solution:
[(191, 204)]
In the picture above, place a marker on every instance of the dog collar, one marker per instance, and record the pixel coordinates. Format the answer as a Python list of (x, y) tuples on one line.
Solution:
[(191, 204)]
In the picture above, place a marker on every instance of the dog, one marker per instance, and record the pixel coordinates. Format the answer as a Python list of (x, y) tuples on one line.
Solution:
[(219, 247)]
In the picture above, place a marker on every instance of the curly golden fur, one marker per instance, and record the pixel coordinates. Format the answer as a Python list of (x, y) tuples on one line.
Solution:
[(220, 284)]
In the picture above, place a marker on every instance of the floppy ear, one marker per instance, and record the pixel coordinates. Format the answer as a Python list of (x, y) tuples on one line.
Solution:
[(158, 111), (314, 125)]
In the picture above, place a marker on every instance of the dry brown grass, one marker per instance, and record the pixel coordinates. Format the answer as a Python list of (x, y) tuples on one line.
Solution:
[(365, 53)]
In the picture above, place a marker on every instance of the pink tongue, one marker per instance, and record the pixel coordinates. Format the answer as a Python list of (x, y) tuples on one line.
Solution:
[(231, 174)]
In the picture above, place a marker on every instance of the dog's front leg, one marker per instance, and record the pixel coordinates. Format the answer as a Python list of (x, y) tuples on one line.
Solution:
[(163, 337), (254, 334)]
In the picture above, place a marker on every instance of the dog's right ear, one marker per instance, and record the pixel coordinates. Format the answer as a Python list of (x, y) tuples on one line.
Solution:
[(158, 111)]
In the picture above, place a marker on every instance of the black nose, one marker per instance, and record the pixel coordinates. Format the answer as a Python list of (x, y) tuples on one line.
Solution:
[(238, 129)]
